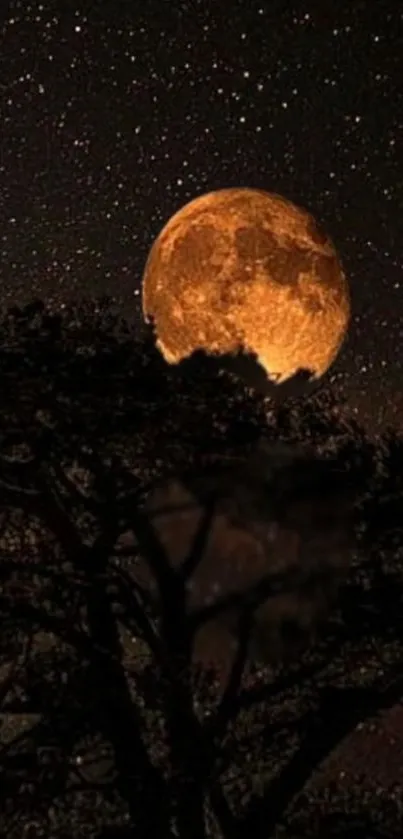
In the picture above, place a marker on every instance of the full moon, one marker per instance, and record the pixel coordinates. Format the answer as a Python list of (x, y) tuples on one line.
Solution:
[(247, 271)]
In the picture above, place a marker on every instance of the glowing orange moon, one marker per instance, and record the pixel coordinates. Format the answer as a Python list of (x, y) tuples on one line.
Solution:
[(243, 270)]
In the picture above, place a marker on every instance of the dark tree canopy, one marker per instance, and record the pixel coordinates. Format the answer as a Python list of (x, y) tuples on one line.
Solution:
[(105, 710)]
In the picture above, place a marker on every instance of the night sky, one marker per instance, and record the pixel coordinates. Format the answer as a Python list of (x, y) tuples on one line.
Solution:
[(113, 118)]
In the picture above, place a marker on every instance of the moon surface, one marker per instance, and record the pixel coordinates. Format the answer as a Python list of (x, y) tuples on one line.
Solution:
[(246, 271)]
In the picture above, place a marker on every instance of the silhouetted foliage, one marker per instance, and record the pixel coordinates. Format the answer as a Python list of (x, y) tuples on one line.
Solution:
[(248, 371), (109, 727)]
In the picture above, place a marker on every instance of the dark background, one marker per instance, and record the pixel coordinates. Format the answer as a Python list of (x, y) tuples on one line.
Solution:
[(114, 114)]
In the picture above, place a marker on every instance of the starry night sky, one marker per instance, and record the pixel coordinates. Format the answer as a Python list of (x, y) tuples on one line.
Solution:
[(112, 118)]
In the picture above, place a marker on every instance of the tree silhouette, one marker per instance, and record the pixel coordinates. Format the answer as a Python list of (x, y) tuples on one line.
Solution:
[(107, 717)]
